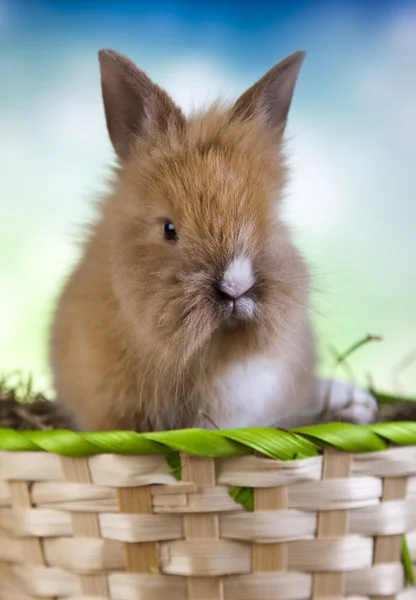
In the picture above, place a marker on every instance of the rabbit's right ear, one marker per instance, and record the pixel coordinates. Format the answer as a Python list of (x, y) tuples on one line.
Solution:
[(133, 104), (269, 99)]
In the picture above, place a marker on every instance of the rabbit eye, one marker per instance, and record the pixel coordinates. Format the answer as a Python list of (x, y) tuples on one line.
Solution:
[(170, 232)]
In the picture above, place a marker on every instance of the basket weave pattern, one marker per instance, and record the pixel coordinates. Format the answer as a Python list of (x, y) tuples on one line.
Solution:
[(124, 528)]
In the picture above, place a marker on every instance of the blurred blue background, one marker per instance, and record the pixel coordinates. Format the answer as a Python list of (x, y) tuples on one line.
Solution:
[(351, 141)]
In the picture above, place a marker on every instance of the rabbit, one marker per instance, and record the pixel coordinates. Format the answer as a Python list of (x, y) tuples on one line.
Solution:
[(188, 307)]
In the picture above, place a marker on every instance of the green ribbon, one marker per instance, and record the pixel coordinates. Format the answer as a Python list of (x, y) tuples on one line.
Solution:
[(297, 443)]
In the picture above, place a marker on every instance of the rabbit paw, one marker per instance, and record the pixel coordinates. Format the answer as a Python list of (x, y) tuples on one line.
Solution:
[(347, 403)]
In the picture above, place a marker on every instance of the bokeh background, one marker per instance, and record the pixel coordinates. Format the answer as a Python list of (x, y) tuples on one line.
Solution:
[(351, 139)]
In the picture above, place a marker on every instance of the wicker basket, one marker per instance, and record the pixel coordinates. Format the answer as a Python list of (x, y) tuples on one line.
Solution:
[(127, 516)]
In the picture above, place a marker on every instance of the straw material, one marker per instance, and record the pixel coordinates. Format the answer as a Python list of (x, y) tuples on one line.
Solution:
[(122, 527)]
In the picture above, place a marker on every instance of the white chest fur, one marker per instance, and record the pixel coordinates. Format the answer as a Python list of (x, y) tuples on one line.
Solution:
[(266, 392), (250, 393)]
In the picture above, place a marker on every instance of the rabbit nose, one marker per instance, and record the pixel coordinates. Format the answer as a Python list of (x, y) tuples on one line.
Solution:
[(238, 279)]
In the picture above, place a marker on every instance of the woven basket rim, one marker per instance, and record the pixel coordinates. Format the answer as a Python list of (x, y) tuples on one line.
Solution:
[(279, 444)]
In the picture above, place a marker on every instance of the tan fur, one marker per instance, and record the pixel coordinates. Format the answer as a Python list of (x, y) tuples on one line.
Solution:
[(138, 338)]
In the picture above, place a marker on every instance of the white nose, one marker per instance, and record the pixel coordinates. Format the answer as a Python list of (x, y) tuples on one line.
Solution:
[(238, 278)]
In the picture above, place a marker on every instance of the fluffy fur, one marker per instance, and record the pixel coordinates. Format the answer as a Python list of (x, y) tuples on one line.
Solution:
[(144, 337)]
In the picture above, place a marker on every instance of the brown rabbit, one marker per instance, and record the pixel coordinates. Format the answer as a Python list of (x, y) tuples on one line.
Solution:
[(189, 305)]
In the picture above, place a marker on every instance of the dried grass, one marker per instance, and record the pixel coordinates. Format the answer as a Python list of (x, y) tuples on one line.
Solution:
[(23, 409)]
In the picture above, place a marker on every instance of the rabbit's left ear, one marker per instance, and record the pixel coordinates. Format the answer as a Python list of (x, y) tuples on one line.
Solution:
[(133, 103), (269, 99)]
